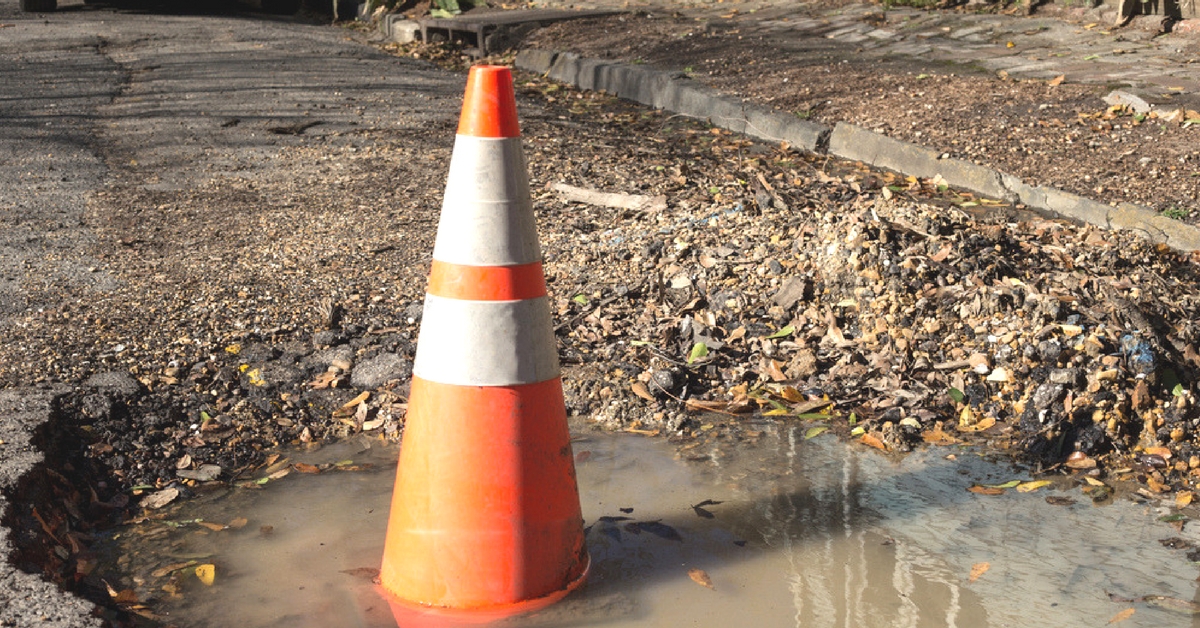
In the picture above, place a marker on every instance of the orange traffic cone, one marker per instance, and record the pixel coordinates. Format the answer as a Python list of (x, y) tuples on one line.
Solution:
[(485, 512)]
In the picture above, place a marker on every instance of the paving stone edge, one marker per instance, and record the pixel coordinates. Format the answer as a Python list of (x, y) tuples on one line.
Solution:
[(673, 91)]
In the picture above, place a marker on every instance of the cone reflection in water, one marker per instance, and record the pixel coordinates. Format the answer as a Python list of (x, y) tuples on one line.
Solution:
[(485, 513)]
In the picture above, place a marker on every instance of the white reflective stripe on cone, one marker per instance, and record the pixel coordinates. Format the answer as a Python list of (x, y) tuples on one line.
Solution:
[(487, 216), (486, 343)]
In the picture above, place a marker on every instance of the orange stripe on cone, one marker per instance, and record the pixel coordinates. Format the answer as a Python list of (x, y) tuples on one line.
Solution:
[(485, 517), (487, 283)]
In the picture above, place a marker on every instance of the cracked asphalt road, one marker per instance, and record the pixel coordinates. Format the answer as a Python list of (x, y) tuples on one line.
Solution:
[(106, 111)]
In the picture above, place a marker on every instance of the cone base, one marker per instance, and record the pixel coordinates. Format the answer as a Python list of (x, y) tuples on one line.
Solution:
[(414, 615)]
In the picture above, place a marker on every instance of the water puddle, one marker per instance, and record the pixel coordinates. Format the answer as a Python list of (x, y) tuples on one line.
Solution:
[(790, 532)]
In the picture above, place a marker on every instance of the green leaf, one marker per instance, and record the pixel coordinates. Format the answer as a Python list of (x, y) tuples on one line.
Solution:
[(1177, 390), (956, 395), (262, 480), (440, 13), (922, 76), (1008, 484), (815, 431), (786, 331), (1172, 518), (580, 299), (853, 418), (1090, 57), (858, 431), (699, 352)]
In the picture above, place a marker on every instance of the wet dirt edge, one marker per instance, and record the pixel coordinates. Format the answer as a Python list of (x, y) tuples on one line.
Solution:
[(30, 447)]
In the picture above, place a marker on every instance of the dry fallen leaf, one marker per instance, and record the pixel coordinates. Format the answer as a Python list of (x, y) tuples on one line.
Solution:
[(1164, 452), (640, 390), (160, 498), (306, 468), (167, 569), (366, 573), (1027, 487), (983, 424), (873, 441), (1122, 616), (238, 522), (978, 569), (937, 437), (700, 577), (985, 490), (1056, 81), (1183, 498), (351, 407)]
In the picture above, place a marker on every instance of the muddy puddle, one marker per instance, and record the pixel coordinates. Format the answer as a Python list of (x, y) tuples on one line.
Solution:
[(790, 532)]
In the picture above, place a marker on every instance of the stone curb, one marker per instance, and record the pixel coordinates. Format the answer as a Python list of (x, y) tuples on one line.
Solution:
[(674, 92), (396, 27)]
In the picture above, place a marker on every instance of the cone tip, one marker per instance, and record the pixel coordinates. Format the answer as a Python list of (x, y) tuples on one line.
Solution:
[(489, 106)]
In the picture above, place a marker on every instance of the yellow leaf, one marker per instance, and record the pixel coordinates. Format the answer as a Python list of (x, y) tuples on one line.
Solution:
[(966, 417), (1093, 481), (789, 393), (978, 569), (207, 573), (978, 427), (1029, 487), (1122, 616), (700, 577), (1183, 498)]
